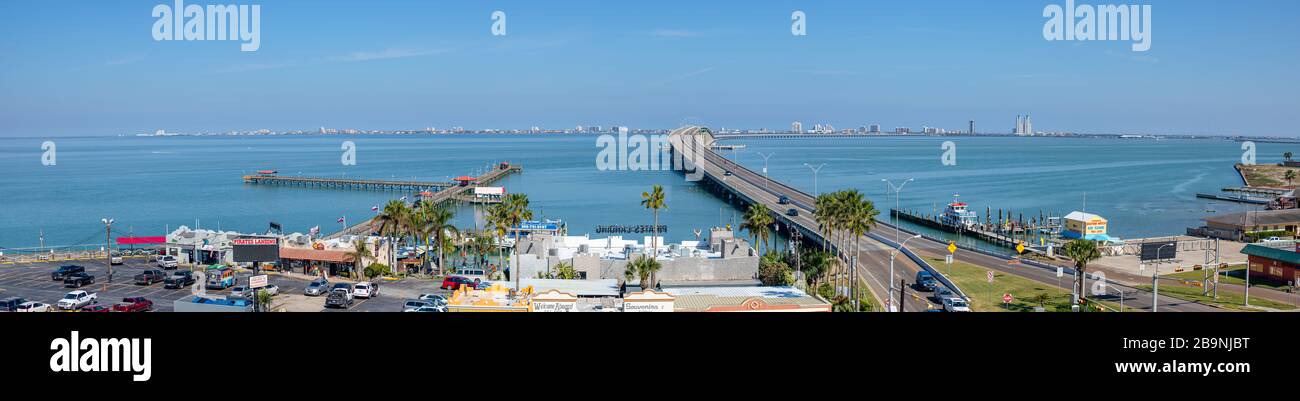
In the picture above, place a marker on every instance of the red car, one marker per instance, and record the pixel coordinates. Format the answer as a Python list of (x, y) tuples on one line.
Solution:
[(455, 282), (133, 304), (96, 308)]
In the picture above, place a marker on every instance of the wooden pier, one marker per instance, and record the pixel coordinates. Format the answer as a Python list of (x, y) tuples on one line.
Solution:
[(995, 238)]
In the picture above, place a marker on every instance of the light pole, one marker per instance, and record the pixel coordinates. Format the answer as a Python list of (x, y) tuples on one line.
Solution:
[(108, 248), (896, 189), (891, 263), (1155, 280), (815, 170), (765, 157)]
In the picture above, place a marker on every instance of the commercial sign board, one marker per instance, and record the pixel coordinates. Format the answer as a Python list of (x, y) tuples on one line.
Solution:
[(256, 249), (554, 301), (648, 301)]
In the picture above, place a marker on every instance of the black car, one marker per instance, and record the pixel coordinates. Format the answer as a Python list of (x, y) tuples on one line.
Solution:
[(11, 304), (63, 271), (148, 277), (784, 200), (76, 280), (792, 212), (338, 298), (179, 279), (727, 173)]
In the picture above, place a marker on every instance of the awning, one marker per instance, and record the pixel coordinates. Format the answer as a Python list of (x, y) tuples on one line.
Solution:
[(141, 240), (318, 255)]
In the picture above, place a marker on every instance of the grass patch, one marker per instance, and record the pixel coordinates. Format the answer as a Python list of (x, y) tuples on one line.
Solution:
[(1226, 299), (1231, 275), (1265, 175), (986, 297)]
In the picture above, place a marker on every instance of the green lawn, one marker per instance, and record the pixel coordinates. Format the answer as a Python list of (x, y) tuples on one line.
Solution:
[(1226, 299), (986, 297), (1235, 275)]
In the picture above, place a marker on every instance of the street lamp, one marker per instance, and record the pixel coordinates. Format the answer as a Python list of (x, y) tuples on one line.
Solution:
[(1155, 279), (815, 170), (891, 264), (108, 247), (765, 157), (897, 190)]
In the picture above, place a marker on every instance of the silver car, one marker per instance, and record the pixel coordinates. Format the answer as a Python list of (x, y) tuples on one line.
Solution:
[(318, 286)]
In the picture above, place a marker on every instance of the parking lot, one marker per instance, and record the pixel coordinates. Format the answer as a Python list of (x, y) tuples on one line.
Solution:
[(32, 282)]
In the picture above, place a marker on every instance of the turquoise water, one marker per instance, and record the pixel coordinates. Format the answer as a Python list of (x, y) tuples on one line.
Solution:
[(150, 184)]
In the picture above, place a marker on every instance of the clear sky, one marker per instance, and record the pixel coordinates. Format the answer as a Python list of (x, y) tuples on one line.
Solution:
[(93, 68)]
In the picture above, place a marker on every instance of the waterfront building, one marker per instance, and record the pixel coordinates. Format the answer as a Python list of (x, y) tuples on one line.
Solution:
[(1236, 226), (874, 128), (796, 127), (1085, 226), (1282, 265)]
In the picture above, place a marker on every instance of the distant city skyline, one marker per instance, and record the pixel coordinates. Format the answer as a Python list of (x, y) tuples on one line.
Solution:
[(74, 68)]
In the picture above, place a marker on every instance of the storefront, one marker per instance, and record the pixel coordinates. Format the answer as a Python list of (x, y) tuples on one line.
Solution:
[(313, 261)]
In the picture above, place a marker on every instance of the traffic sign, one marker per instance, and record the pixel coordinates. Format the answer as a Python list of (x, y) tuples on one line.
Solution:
[(1020, 248), (1060, 271), (947, 259), (952, 247), (257, 281), (1006, 298), (989, 276)]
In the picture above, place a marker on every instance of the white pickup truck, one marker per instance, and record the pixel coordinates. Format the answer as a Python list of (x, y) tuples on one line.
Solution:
[(76, 299)]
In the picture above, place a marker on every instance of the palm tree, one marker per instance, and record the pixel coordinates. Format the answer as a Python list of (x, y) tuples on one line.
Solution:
[(437, 222), (394, 223), (516, 212), (654, 200), (1290, 175), (861, 219), (482, 245), (1081, 251), (1287, 156), (359, 252), (643, 268), (757, 220), (496, 220)]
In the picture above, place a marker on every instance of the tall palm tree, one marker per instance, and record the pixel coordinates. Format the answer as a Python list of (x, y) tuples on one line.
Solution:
[(654, 200), (438, 223), (1081, 251), (516, 212), (861, 218), (394, 224), (497, 226), (758, 219), (1287, 156), (359, 252), (418, 224), (1290, 176)]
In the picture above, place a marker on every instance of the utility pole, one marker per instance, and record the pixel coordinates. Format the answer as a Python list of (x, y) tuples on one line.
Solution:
[(902, 290), (108, 247)]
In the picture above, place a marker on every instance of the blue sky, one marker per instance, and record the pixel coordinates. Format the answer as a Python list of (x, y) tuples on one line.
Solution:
[(93, 68)]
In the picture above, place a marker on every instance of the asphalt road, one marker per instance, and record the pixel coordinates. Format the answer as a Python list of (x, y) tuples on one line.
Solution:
[(874, 257)]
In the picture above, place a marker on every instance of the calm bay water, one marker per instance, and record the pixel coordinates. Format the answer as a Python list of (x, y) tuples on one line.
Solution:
[(149, 184)]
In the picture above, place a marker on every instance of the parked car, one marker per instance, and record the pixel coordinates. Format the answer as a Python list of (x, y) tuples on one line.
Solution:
[(115, 260), (365, 289), (455, 282), (11, 304), (77, 280), (271, 289), (955, 304), (148, 277), (133, 304), (179, 279), (167, 262), (784, 200), (925, 281), (63, 271), (434, 308), (792, 212), (317, 287), (33, 306), (95, 308), (433, 298), (338, 298), (412, 304), (342, 286), (77, 299), (240, 291)]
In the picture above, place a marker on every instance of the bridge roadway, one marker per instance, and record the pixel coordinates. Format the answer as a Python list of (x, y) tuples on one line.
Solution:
[(873, 261), (873, 258)]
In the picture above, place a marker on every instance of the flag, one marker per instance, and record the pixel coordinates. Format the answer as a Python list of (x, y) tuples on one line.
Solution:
[(340, 219), (374, 208), (315, 231), (403, 198)]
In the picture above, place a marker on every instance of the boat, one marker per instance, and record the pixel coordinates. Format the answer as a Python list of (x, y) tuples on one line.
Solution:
[(957, 215), (266, 172)]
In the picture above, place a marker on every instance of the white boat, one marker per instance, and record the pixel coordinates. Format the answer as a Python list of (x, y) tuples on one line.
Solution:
[(957, 215)]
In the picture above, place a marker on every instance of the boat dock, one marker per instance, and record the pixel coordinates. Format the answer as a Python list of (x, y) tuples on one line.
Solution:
[(445, 191), (995, 238), (1257, 191), (1238, 199)]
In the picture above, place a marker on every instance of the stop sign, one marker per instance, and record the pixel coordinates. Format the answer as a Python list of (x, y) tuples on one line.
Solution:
[(1006, 298)]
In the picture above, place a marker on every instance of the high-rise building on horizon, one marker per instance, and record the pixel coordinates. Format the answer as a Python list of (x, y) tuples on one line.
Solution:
[(796, 127)]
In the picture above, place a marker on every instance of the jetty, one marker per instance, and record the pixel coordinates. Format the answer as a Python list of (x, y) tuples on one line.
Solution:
[(1238, 199), (994, 237)]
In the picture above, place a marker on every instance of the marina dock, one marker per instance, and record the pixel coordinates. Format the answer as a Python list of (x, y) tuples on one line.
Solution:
[(1238, 199), (996, 238)]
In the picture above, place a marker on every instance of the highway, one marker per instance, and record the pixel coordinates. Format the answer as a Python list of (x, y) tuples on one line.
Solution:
[(873, 260)]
